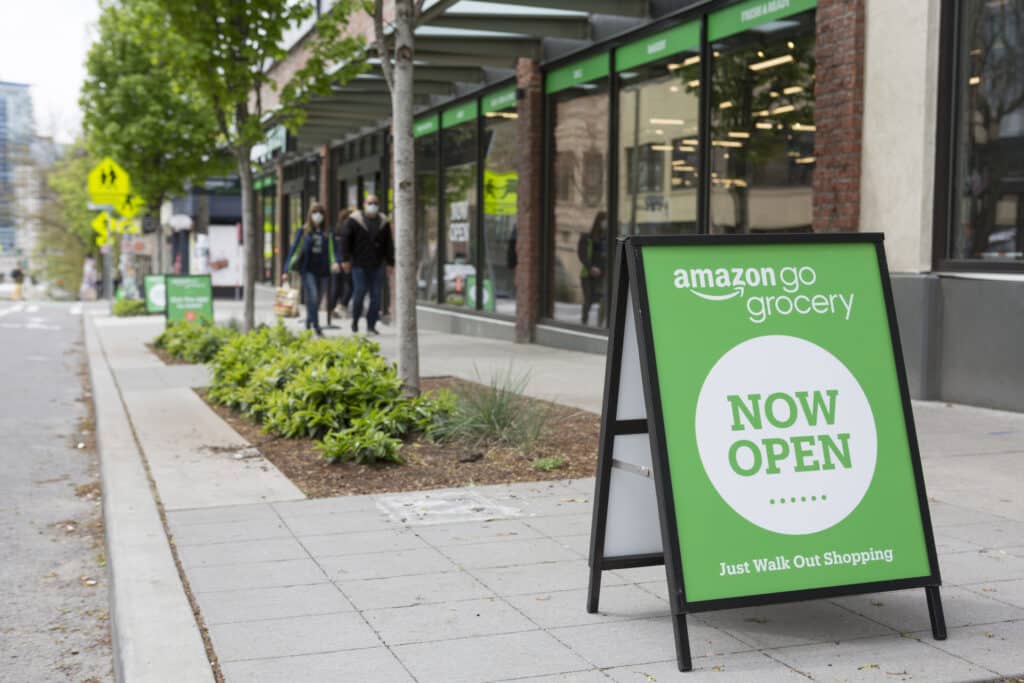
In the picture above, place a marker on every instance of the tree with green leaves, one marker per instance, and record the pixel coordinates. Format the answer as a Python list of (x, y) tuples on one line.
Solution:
[(138, 112), (225, 53)]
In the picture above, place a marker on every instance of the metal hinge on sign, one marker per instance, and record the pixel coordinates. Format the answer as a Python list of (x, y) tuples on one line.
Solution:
[(633, 469)]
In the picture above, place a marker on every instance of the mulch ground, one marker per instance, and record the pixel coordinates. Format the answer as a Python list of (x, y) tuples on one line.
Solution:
[(167, 358), (571, 434)]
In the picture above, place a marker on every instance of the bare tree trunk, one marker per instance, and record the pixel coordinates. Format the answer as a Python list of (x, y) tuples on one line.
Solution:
[(249, 237), (405, 196)]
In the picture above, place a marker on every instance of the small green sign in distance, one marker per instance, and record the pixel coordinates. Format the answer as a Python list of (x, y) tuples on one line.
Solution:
[(464, 113), (156, 293), (497, 101), (189, 298)]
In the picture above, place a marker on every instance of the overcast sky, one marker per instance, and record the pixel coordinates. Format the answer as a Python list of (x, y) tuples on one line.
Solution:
[(44, 44)]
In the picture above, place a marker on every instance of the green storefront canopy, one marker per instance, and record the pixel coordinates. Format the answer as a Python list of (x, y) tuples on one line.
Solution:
[(463, 113), (502, 99), (658, 46), (425, 125), (583, 71), (747, 15)]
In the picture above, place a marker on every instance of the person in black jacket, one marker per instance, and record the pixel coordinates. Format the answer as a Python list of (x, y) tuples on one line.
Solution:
[(592, 250), (312, 254), (366, 248), (341, 291)]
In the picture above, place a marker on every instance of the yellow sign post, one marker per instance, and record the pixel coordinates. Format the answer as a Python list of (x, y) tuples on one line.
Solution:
[(101, 224)]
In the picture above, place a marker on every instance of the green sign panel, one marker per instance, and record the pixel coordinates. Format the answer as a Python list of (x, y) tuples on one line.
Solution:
[(583, 71), (747, 15), (156, 293), (189, 297), (771, 407), (461, 114), (503, 99), (425, 126), (489, 303), (658, 46)]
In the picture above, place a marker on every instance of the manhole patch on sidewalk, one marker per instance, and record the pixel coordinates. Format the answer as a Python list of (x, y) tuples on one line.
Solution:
[(443, 507)]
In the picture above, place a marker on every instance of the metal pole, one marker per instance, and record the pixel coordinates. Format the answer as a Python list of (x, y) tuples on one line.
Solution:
[(108, 276)]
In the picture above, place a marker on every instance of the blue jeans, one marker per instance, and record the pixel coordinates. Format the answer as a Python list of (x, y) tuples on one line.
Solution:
[(311, 291), (366, 280)]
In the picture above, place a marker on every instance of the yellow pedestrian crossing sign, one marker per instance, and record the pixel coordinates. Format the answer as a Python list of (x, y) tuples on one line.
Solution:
[(101, 224), (130, 206), (109, 183)]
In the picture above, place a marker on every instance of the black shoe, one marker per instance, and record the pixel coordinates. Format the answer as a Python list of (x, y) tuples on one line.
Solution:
[(373, 330), (355, 326), (319, 333)]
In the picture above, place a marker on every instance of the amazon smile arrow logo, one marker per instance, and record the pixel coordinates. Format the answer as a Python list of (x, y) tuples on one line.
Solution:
[(719, 297)]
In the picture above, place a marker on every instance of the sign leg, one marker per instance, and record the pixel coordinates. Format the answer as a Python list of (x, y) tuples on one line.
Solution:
[(938, 619), (682, 642), (594, 590)]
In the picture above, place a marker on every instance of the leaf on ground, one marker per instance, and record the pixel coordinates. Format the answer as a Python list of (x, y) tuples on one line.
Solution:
[(718, 668), (864, 667)]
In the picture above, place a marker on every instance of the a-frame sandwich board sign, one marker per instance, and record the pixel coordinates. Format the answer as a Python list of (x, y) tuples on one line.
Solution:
[(781, 459)]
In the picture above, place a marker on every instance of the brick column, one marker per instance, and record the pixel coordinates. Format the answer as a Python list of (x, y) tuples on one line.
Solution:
[(530, 208), (324, 190), (838, 114), (280, 248)]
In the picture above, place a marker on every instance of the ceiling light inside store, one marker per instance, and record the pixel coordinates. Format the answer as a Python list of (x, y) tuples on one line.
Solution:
[(804, 127), (667, 122), (690, 61), (661, 148), (792, 90), (975, 80), (763, 112), (694, 83), (784, 109), (726, 143), (769, 63), (764, 125), (790, 44), (805, 160), (738, 134), (689, 141), (687, 148), (725, 105)]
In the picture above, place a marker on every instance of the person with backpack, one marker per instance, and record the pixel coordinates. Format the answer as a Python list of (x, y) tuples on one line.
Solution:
[(313, 255), (366, 248)]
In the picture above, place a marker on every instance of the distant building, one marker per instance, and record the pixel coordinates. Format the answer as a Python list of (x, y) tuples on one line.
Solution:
[(16, 138)]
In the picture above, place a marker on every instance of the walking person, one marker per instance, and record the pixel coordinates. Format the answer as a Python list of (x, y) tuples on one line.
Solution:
[(366, 248), (341, 293), (18, 275), (313, 255)]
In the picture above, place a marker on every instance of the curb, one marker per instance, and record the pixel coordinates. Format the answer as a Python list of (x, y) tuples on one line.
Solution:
[(154, 632)]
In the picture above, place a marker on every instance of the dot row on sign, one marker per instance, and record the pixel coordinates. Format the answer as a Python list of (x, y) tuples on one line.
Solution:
[(795, 499)]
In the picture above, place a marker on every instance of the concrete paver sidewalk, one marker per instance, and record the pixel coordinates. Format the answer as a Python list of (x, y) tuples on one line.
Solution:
[(377, 588)]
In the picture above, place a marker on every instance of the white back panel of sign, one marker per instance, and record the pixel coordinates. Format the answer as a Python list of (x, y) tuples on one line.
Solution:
[(633, 526), (631, 389)]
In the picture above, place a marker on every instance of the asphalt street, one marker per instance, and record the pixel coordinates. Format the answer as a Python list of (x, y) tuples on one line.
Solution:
[(53, 584)]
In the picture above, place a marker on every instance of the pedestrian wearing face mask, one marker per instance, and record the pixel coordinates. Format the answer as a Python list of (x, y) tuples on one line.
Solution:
[(313, 255), (366, 249)]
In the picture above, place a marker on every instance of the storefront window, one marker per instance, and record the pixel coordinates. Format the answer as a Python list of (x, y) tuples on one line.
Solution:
[(578, 279), (459, 165), (762, 120), (500, 181), (426, 217), (988, 218), (659, 106)]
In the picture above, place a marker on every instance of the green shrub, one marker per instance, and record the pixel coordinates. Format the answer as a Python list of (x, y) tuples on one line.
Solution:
[(341, 392), (549, 464), (193, 342), (126, 307), (496, 413)]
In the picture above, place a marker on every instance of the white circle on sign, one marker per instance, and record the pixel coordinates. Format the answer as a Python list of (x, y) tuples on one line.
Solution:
[(157, 295), (786, 434)]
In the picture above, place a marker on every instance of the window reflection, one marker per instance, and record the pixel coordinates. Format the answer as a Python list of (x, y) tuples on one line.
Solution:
[(658, 157), (426, 217), (577, 279), (459, 166), (989, 213), (500, 185), (762, 128)]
